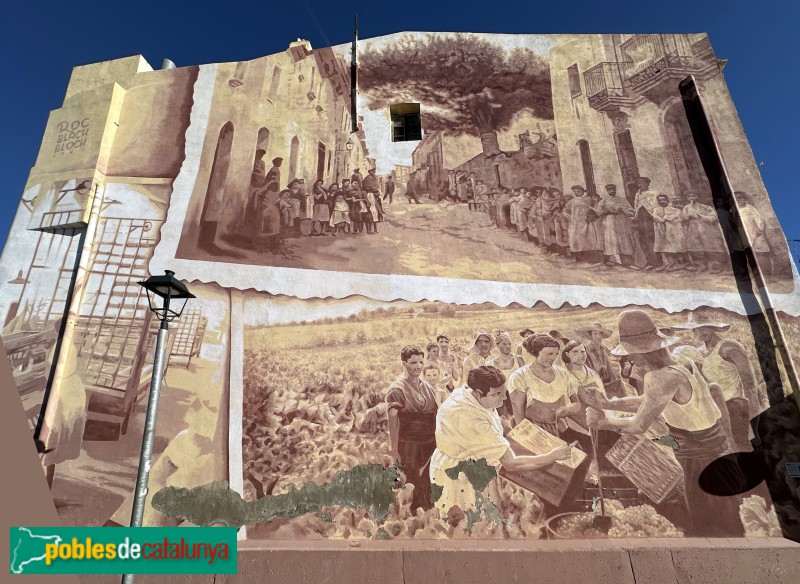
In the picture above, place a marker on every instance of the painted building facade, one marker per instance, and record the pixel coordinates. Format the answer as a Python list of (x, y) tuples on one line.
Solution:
[(558, 189)]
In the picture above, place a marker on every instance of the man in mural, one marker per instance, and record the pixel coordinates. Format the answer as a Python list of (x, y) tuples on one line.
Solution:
[(372, 188), (411, 191), (726, 363), (680, 397), (755, 226), (389, 194), (704, 240), (447, 358), (477, 353), (598, 357), (617, 233), (299, 198), (357, 176), (584, 241), (412, 406), (468, 427), (524, 214), (644, 203), (670, 236)]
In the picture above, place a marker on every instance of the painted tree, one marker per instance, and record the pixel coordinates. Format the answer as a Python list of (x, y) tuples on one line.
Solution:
[(465, 83)]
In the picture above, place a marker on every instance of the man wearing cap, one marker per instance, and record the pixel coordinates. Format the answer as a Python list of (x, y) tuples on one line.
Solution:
[(390, 186), (584, 241), (704, 239), (372, 187), (644, 203), (478, 352), (680, 397), (598, 357), (725, 362), (670, 236), (617, 213), (411, 404)]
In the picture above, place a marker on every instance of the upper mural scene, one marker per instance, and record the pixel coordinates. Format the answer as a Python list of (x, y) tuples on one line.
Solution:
[(512, 158)]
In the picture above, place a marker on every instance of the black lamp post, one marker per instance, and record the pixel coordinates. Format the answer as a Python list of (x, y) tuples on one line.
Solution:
[(162, 292)]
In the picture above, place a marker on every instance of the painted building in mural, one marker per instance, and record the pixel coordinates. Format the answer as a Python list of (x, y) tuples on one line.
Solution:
[(564, 301)]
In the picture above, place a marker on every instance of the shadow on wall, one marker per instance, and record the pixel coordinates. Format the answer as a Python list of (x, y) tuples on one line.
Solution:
[(776, 430)]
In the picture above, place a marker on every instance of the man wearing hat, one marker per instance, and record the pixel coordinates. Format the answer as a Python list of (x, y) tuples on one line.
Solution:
[(644, 203), (681, 398), (585, 242), (725, 362), (617, 232), (598, 357), (755, 226), (372, 187)]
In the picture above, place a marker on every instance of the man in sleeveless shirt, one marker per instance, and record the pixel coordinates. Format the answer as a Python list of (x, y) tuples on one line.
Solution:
[(411, 404), (725, 362), (682, 399)]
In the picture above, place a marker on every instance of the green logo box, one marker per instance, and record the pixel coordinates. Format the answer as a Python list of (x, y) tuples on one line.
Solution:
[(122, 550)]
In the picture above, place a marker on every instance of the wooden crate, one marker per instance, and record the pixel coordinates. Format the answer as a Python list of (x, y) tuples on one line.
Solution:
[(551, 482), (646, 465)]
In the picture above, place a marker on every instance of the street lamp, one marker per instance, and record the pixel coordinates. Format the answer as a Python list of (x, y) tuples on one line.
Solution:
[(161, 292)]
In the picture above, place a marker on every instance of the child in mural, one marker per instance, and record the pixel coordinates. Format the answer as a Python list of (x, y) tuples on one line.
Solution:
[(321, 216), (340, 218), (704, 240), (599, 358), (412, 407), (670, 236), (468, 427), (286, 208)]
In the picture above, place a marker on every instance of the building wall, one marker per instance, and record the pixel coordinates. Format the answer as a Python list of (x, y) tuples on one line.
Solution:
[(279, 370)]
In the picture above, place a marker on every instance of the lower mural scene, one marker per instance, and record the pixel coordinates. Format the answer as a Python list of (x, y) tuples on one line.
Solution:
[(363, 420)]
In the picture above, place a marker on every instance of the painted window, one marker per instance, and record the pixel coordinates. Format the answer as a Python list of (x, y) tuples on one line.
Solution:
[(574, 77)]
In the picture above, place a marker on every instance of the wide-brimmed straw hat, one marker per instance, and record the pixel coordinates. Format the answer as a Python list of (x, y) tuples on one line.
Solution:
[(526, 332), (700, 321), (639, 334), (596, 326)]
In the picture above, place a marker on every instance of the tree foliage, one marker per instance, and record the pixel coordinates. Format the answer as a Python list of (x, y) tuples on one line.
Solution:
[(465, 83)]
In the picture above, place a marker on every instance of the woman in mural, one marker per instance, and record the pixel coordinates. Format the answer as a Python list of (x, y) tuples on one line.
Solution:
[(412, 405), (477, 353), (321, 216), (681, 397), (468, 427), (584, 240), (542, 391), (505, 361)]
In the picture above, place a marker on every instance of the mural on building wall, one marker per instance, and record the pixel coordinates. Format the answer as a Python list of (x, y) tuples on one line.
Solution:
[(537, 165), (357, 382)]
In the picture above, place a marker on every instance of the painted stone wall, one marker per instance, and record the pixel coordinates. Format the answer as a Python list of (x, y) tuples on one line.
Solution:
[(556, 224)]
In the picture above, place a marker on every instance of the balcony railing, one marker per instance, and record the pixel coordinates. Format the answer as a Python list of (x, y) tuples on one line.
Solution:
[(604, 85), (650, 58)]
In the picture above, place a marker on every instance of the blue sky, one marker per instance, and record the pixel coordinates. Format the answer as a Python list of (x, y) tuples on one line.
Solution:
[(42, 41)]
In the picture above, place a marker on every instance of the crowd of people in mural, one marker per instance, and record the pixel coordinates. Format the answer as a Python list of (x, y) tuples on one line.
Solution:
[(687, 382), (647, 231), (353, 205)]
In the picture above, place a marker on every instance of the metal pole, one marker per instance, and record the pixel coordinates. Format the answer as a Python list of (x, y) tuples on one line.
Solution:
[(140, 494)]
